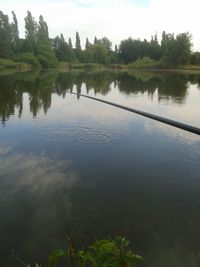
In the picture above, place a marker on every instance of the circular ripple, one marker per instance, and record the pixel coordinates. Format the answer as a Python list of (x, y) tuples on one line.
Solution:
[(84, 134), (94, 137), (49, 136)]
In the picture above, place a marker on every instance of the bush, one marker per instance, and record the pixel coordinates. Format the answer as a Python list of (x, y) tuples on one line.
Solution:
[(28, 58), (86, 66), (7, 63), (47, 60), (144, 62)]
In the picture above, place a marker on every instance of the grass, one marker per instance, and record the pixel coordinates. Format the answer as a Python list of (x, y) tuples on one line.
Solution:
[(145, 63), (117, 66), (86, 66), (9, 64)]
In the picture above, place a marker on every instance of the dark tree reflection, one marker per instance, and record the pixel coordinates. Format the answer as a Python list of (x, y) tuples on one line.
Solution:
[(41, 85)]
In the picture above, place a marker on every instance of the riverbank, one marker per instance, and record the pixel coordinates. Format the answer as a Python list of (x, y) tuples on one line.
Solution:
[(141, 65)]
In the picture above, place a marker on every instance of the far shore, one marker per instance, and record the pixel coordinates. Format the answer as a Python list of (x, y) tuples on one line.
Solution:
[(8, 65)]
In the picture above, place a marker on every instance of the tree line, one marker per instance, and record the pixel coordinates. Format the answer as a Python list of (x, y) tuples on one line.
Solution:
[(38, 49)]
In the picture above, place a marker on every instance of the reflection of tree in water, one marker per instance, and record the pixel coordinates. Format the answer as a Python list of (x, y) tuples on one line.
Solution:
[(40, 86), (40, 94), (10, 98), (169, 86), (129, 84), (173, 87), (37, 85), (98, 81)]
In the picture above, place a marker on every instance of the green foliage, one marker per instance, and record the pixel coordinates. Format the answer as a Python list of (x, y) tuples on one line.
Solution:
[(30, 26), (108, 253), (5, 36), (47, 61), (7, 63), (28, 58), (130, 50), (42, 32), (176, 50), (55, 255), (63, 51), (46, 57), (31, 32), (102, 253), (195, 58), (144, 62), (86, 66), (172, 51), (78, 42)]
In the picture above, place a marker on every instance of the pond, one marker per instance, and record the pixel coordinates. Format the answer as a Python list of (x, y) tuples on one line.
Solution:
[(101, 170)]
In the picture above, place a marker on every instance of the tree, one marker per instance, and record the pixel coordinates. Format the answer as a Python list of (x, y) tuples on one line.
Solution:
[(116, 49), (95, 40), (78, 42), (105, 42), (154, 49), (70, 42), (31, 32), (62, 50), (183, 47), (127, 51), (15, 30), (5, 36), (87, 44), (176, 50), (42, 32), (195, 58)]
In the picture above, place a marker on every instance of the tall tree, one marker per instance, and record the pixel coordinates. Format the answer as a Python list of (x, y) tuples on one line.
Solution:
[(184, 46), (78, 42), (30, 34), (62, 50), (5, 36), (42, 32), (30, 26), (106, 43), (87, 44), (176, 50), (15, 29), (95, 40), (70, 42)]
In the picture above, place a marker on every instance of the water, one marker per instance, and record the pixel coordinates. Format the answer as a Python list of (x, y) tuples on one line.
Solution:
[(108, 171)]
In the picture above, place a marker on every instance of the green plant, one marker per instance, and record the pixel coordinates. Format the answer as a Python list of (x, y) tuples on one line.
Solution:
[(28, 58), (108, 253), (102, 253), (55, 255), (144, 62)]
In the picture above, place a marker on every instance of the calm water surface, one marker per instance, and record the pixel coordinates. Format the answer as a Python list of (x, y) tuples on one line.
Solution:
[(106, 171)]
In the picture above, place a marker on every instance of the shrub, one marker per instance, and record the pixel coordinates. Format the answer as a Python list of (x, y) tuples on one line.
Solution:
[(7, 63), (144, 62), (28, 58)]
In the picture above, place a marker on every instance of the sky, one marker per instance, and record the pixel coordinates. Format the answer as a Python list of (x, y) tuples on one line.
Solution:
[(115, 19)]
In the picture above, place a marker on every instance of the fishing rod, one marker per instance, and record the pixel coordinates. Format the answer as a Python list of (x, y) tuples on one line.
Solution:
[(173, 123), (70, 247)]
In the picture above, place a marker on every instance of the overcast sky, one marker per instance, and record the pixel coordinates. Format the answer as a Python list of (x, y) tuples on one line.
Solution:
[(115, 19)]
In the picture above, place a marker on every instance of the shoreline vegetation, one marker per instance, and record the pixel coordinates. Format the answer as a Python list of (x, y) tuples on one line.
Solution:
[(37, 50), (6, 64), (106, 252)]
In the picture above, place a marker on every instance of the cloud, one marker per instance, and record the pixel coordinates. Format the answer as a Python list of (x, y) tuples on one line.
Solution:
[(116, 19), (35, 172)]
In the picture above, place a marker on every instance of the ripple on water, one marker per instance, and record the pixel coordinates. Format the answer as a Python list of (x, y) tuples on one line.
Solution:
[(90, 135)]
